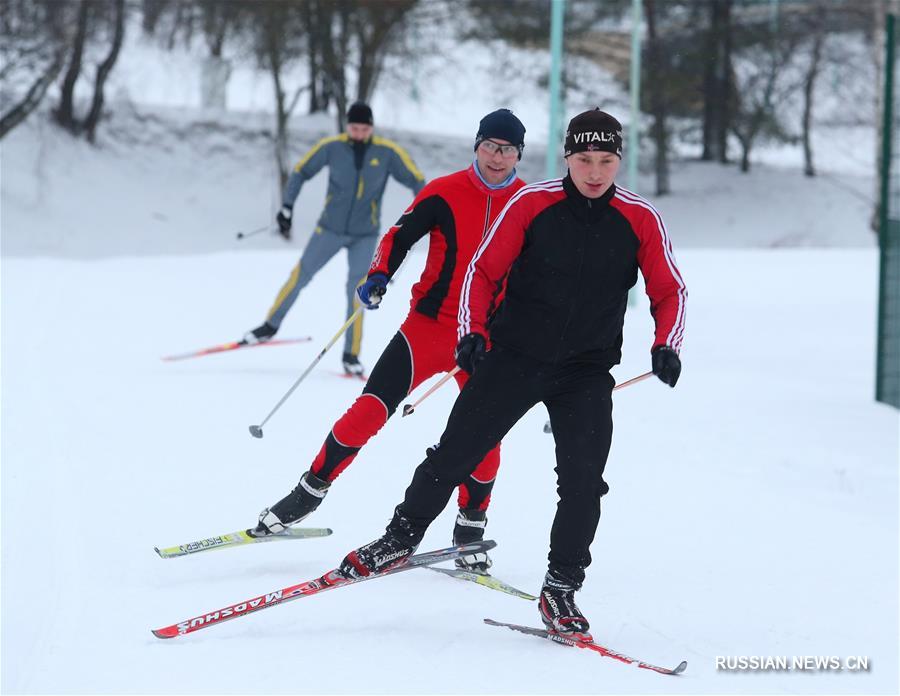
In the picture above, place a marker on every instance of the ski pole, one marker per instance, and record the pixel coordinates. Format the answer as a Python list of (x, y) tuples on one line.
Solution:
[(258, 230), (634, 380), (407, 409), (256, 430)]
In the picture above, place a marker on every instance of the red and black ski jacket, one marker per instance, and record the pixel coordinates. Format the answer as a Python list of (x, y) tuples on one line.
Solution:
[(570, 261), (458, 210)]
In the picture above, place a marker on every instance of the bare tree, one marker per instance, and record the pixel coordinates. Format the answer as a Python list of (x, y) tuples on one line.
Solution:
[(809, 84), (657, 67), (65, 111), (373, 24), (32, 53), (151, 12), (761, 84), (92, 17), (717, 87), (279, 35), (103, 70), (333, 42)]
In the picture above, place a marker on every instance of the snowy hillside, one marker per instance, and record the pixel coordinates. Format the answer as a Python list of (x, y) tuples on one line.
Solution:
[(167, 181)]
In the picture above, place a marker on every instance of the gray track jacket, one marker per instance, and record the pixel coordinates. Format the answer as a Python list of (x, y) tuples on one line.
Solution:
[(353, 203)]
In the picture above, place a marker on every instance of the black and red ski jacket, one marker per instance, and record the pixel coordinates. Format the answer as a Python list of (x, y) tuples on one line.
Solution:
[(570, 261), (458, 210)]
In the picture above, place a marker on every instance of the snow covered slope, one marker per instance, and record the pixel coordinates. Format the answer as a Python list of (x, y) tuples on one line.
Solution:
[(169, 181), (753, 509)]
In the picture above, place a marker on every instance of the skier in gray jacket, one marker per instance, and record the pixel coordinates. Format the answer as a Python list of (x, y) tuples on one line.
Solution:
[(359, 164)]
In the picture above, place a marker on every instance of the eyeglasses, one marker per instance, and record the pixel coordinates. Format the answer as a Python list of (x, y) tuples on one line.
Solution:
[(492, 148)]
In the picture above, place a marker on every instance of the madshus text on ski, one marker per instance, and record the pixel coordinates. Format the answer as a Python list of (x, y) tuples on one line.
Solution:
[(522, 300)]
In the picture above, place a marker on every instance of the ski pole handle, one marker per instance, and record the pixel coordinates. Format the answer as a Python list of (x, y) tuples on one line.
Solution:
[(256, 430), (407, 409), (258, 230)]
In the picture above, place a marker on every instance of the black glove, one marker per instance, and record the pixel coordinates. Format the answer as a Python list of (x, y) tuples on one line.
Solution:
[(666, 364), (284, 221), (470, 351), (371, 292)]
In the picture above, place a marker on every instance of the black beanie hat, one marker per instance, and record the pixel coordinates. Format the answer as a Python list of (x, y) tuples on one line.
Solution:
[(360, 112), (502, 124), (592, 131)]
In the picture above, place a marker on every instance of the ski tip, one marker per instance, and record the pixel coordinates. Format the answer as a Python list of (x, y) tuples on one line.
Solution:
[(407, 409), (488, 544), (163, 633), (256, 431), (680, 668), (158, 552)]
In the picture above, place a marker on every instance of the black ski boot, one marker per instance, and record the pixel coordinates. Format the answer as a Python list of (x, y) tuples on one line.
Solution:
[(558, 610), (295, 506), (352, 365), (399, 542), (260, 334), (469, 527)]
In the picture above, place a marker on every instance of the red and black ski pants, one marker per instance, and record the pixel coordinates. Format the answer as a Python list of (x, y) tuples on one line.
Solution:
[(506, 384), (422, 348)]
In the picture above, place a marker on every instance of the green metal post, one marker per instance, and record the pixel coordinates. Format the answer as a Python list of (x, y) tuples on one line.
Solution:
[(884, 212), (632, 146), (557, 18)]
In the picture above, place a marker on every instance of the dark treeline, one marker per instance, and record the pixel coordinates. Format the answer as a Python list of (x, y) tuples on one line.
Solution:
[(725, 74)]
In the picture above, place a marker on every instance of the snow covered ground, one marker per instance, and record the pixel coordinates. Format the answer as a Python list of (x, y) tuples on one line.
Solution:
[(753, 509)]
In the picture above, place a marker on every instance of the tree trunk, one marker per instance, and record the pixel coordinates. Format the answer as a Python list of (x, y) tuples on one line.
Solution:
[(726, 85), (333, 62), (312, 45), (339, 83), (809, 89), (712, 95), (657, 99), (103, 70), (65, 112), (33, 97), (745, 157), (374, 23), (275, 64), (152, 10)]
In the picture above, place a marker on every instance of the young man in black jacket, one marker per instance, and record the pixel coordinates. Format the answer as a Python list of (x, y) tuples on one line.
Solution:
[(570, 249)]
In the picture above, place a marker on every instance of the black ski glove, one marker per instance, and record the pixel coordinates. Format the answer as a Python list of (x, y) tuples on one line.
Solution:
[(284, 221), (666, 364), (470, 351)]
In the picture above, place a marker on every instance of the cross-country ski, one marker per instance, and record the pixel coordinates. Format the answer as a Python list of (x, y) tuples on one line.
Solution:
[(562, 639), (239, 538), (331, 580), (234, 345)]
